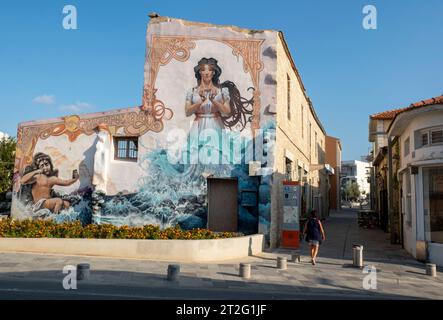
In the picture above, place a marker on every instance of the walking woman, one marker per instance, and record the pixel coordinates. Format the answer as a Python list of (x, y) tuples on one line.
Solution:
[(314, 234)]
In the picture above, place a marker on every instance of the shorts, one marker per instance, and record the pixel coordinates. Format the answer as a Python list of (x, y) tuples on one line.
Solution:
[(314, 242)]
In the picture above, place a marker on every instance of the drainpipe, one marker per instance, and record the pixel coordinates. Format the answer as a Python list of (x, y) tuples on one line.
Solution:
[(390, 193)]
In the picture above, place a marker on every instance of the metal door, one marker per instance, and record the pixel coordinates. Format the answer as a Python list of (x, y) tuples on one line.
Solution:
[(222, 205)]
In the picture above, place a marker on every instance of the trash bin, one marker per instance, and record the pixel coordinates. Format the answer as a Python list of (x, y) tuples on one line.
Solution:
[(357, 251)]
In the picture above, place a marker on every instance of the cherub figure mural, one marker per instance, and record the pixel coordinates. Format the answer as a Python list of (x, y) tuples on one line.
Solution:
[(40, 178)]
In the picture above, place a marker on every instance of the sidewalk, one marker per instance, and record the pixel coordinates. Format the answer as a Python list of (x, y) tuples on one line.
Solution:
[(33, 276)]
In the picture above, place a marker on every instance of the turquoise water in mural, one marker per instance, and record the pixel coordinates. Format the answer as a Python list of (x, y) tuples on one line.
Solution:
[(169, 195)]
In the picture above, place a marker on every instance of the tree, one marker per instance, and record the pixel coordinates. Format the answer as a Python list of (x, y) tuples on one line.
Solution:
[(7, 159), (352, 191)]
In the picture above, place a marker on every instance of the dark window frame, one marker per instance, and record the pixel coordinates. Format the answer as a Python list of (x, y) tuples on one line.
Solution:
[(127, 148), (427, 132), (289, 169), (431, 131), (407, 147)]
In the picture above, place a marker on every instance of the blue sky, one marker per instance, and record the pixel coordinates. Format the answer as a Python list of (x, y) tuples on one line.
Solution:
[(349, 72)]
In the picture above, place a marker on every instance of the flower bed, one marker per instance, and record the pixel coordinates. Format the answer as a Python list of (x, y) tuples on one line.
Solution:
[(47, 229)]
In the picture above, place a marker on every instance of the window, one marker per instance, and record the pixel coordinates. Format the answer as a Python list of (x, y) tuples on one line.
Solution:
[(424, 139), (436, 136), (126, 148), (408, 200), (289, 95), (407, 147), (316, 146), (310, 139), (302, 123), (428, 137), (288, 164)]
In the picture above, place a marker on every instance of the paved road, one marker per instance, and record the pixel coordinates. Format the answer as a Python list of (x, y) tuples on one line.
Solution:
[(36, 276)]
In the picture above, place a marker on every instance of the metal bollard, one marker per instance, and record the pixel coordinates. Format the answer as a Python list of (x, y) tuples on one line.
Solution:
[(295, 258), (282, 263), (245, 270), (83, 271), (173, 272), (431, 269), (357, 251)]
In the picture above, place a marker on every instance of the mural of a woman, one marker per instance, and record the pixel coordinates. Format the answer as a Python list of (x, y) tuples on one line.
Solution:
[(208, 101), (216, 107)]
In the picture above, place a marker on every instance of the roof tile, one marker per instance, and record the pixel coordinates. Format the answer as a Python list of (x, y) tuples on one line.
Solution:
[(390, 114)]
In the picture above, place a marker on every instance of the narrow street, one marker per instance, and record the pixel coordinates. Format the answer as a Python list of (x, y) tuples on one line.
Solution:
[(342, 232), (34, 276)]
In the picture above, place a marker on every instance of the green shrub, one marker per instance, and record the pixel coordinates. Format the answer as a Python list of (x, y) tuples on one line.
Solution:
[(10, 228)]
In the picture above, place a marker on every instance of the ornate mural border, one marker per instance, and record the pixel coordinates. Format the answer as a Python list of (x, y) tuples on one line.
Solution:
[(133, 123), (166, 48)]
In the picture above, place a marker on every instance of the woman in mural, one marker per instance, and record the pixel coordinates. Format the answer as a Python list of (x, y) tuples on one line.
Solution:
[(215, 105), (42, 177)]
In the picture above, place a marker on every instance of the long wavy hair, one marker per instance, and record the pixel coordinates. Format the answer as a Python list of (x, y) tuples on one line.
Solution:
[(241, 108)]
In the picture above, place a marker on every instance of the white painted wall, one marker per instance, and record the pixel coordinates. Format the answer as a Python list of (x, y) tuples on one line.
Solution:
[(122, 176), (425, 156), (419, 122)]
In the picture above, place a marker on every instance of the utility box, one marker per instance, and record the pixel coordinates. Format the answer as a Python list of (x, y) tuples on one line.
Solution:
[(291, 214)]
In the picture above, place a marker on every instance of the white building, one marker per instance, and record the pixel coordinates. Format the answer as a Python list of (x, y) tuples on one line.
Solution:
[(419, 130), (356, 171)]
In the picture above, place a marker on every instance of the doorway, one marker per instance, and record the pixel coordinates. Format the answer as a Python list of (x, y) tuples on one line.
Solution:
[(222, 205)]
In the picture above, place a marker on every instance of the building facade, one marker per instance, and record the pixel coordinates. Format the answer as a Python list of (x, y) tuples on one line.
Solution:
[(359, 172), (224, 121), (415, 148), (333, 157)]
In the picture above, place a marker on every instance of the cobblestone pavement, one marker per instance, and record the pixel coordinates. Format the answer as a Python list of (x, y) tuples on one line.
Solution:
[(36, 276)]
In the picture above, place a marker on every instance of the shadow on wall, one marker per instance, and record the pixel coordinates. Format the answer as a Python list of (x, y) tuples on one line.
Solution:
[(86, 167)]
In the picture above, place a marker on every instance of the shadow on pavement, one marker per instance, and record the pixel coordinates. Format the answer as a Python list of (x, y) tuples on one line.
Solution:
[(106, 285)]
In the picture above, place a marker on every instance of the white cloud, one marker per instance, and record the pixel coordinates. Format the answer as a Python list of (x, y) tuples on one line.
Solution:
[(45, 99), (75, 107)]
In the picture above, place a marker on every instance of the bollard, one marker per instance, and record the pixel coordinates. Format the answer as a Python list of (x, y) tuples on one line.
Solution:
[(245, 270), (173, 272), (83, 271), (357, 251), (282, 263), (431, 269), (295, 258)]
